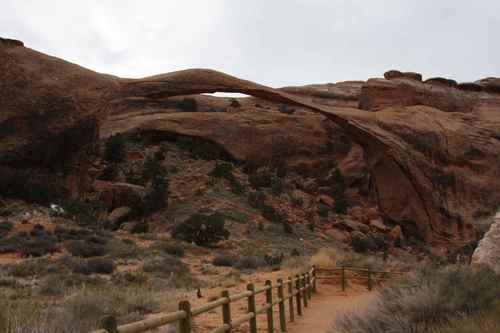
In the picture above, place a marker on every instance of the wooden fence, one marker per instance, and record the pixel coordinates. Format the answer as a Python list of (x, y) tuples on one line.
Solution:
[(294, 293)]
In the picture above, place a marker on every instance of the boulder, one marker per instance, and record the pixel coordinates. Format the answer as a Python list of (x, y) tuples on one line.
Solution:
[(326, 200), (115, 195), (441, 81), (351, 225), (379, 225), (118, 215), (338, 235)]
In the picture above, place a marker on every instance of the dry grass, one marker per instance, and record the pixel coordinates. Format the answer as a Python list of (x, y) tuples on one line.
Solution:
[(325, 258), (81, 310)]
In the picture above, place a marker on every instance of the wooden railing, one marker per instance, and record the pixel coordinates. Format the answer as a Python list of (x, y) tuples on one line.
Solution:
[(295, 293), (298, 291), (370, 276)]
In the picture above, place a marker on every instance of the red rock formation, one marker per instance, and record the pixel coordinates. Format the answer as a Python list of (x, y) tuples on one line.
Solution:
[(432, 151)]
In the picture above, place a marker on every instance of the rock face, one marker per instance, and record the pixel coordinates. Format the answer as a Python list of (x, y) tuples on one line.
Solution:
[(488, 251), (432, 151)]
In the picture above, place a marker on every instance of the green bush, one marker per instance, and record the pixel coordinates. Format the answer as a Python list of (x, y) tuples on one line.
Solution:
[(339, 192), (223, 260), (203, 230), (94, 266), (188, 104), (256, 199), (80, 248), (234, 103), (157, 197), (115, 149), (223, 170)]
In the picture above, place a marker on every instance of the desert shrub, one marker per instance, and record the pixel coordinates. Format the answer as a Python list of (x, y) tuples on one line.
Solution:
[(173, 249), (110, 172), (83, 213), (121, 249), (223, 260), (188, 104), (250, 262), (152, 167), (429, 298), (5, 227), (484, 322), (323, 210), (236, 216), (338, 192), (140, 228), (362, 243), (296, 264), (222, 170), (114, 151), (296, 201), (256, 199), (11, 244), (94, 266), (271, 214), (80, 248), (203, 230), (157, 197), (276, 185), (324, 258), (234, 103), (39, 246), (285, 109), (28, 268), (171, 268), (260, 178)]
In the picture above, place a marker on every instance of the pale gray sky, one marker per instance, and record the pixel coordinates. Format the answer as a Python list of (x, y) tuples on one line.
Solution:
[(280, 42)]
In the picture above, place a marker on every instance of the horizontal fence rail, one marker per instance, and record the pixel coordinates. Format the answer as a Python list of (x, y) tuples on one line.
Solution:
[(295, 293)]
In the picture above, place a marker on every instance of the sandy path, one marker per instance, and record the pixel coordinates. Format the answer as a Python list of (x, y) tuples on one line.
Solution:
[(324, 307)]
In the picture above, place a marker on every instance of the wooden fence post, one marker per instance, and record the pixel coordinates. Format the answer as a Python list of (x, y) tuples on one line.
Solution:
[(281, 305), (226, 310), (343, 277), (269, 301), (252, 308), (185, 324), (109, 324), (370, 282), (299, 302), (309, 287), (304, 292), (315, 290), (290, 299)]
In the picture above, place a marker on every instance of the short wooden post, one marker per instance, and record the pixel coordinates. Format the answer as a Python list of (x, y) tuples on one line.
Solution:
[(269, 302), (185, 324), (290, 299), (315, 290), (309, 287), (299, 301), (370, 282), (304, 291), (343, 277), (281, 305), (226, 310), (109, 324), (252, 308)]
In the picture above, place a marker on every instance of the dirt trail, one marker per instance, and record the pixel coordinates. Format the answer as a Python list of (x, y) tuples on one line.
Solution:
[(324, 307)]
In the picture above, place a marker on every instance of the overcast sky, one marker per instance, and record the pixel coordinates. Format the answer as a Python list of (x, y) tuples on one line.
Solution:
[(277, 43)]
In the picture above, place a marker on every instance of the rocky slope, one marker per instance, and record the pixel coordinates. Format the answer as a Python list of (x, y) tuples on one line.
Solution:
[(431, 147)]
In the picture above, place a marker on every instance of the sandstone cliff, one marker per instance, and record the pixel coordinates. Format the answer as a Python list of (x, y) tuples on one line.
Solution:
[(432, 150)]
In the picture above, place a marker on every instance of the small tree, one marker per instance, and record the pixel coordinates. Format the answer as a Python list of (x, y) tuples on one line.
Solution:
[(115, 149), (339, 192), (158, 194), (235, 103), (203, 230)]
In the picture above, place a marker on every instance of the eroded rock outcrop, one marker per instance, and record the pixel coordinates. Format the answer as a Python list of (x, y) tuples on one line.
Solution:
[(432, 151)]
